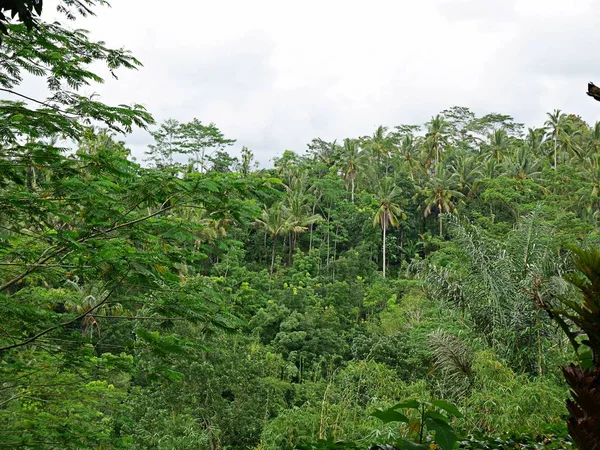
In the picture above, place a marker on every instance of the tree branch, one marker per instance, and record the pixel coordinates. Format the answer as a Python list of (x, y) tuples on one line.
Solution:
[(64, 324)]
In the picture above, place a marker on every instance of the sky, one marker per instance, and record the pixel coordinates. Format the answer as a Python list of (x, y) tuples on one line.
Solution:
[(276, 74)]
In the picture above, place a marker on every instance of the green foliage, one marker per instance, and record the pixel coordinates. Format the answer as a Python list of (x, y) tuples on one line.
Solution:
[(201, 302), (434, 416)]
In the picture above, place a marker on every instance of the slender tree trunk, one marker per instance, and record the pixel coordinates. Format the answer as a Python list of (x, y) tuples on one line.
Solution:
[(352, 182), (328, 234), (555, 152), (441, 227), (384, 235), (273, 254)]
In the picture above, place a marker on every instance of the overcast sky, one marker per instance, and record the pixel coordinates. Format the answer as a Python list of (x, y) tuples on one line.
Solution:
[(275, 74)]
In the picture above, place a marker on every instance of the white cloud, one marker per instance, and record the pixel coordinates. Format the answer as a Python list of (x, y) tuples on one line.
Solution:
[(276, 74)]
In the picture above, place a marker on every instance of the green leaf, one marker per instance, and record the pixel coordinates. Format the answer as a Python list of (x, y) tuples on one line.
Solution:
[(437, 415), (389, 415), (411, 404), (586, 359), (406, 444), (445, 436), (448, 407)]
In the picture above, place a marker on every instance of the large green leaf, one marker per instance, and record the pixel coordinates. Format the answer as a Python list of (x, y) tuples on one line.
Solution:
[(448, 407), (445, 436), (412, 404), (390, 415)]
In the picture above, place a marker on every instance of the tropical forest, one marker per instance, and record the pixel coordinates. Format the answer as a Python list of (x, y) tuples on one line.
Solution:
[(428, 285)]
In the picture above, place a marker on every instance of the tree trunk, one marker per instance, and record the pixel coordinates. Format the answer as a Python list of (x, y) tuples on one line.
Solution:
[(555, 152), (384, 233), (352, 183), (273, 254), (584, 411), (441, 227)]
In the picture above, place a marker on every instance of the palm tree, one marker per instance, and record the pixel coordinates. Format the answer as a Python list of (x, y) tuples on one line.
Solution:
[(409, 154), (380, 144), (298, 216), (389, 212), (592, 146), (534, 140), (441, 195), (558, 128), (581, 315), (522, 165), (499, 144), (465, 170), (274, 222), (351, 162), (436, 138)]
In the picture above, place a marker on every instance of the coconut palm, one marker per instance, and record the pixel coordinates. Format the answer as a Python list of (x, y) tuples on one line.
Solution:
[(558, 128), (441, 195), (410, 155), (273, 221), (389, 212), (351, 163), (522, 165), (380, 144), (466, 172), (499, 143), (534, 140), (298, 216), (436, 139)]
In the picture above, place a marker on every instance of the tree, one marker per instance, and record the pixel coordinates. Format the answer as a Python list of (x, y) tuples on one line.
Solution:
[(389, 212), (62, 57), (247, 164), (29, 11), (499, 144), (298, 214), (436, 139), (351, 162), (274, 222), (558, 129), (440, 195), (583, 379), (168, 142), (197, 138), (465, 170), (410, 154), (380, 144)]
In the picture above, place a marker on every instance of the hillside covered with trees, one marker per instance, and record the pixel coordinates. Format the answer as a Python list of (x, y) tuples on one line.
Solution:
[(424, 283)]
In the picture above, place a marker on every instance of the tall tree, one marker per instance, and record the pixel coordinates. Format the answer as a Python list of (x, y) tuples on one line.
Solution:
[(389, 212), (350, 163), (558, 128), (441, 195), (436, 139), (274, 221)]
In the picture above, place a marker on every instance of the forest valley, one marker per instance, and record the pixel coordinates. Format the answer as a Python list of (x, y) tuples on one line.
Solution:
[(426, 285)]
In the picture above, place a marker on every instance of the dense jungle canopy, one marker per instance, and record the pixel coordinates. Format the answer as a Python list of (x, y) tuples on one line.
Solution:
[(427, 284)]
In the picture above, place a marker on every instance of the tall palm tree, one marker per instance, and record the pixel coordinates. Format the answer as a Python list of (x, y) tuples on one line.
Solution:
[(298, 216), (351, 163), (436, 139), (534, 140), (273, 221), (499, 144), (441, 195), (592, 146), (380, 145), (465, 170), (389, 212), (522, 165), (558, 128), (410, 154)]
